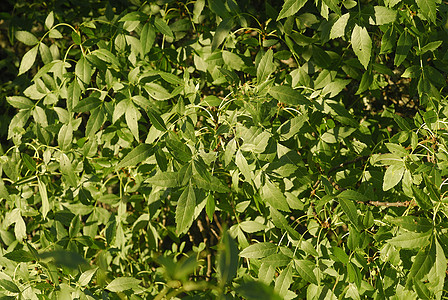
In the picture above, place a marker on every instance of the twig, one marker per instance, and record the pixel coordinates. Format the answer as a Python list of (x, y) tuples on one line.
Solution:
[(389, 204)]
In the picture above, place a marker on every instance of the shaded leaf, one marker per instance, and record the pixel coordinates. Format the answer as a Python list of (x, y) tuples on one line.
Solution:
[(222, 31), (9, 286), (185, 210), (20, 256), (404, 44), (227, 258), (347, 201), (163, 27), (87, 104)]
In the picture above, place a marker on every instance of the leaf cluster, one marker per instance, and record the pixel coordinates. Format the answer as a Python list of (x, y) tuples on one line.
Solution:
[(206, 149)]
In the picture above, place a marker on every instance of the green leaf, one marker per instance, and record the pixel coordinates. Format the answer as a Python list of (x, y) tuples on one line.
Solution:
[(337, 134), (147, 37), (26, 37), (20, 102), (428, 8), (9, 286), (283, 281), (210, 206), (290, 8), (333, 5), (266, 66), (227, 259), (251, 226), (164, 179), (222, 32), (305, 269), (177, 148), (121, 284), (432, 46), (404, 44), (277, 260), (83, 70), (287, 95), (3, 191), (185, 210), (361, 44), (338, 28), (96, 120), (20, 256), (256, 290), (281, 222), (346, 200), (157, 92), (137, 155), (212, 184), (411, 223), (354, 275), (393, 176), (49, 20), (163, 27), (437, 274), (156, 120), (422, 198), (67, 170), (243, 166), (69, 259), (45, 208), (335, 87), (423, 263), (232, 60), (291, 127), (87, 104), (259, 250), (410, 240), (76, 37), (65, 136), (132, 115), (28, 60), (384, 15), (106, 56), (198, 7), (273, 195), (86, 276)]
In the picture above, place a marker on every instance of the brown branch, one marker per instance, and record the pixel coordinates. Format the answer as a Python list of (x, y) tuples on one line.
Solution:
[(389, 204)]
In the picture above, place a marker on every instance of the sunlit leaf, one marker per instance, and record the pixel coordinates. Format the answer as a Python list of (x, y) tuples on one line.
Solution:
[(361, 44)]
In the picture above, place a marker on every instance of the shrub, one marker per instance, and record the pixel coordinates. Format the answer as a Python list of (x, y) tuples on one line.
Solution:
[(223, 149)]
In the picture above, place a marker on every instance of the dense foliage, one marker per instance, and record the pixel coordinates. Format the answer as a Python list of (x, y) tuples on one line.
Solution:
[(205, 149)]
